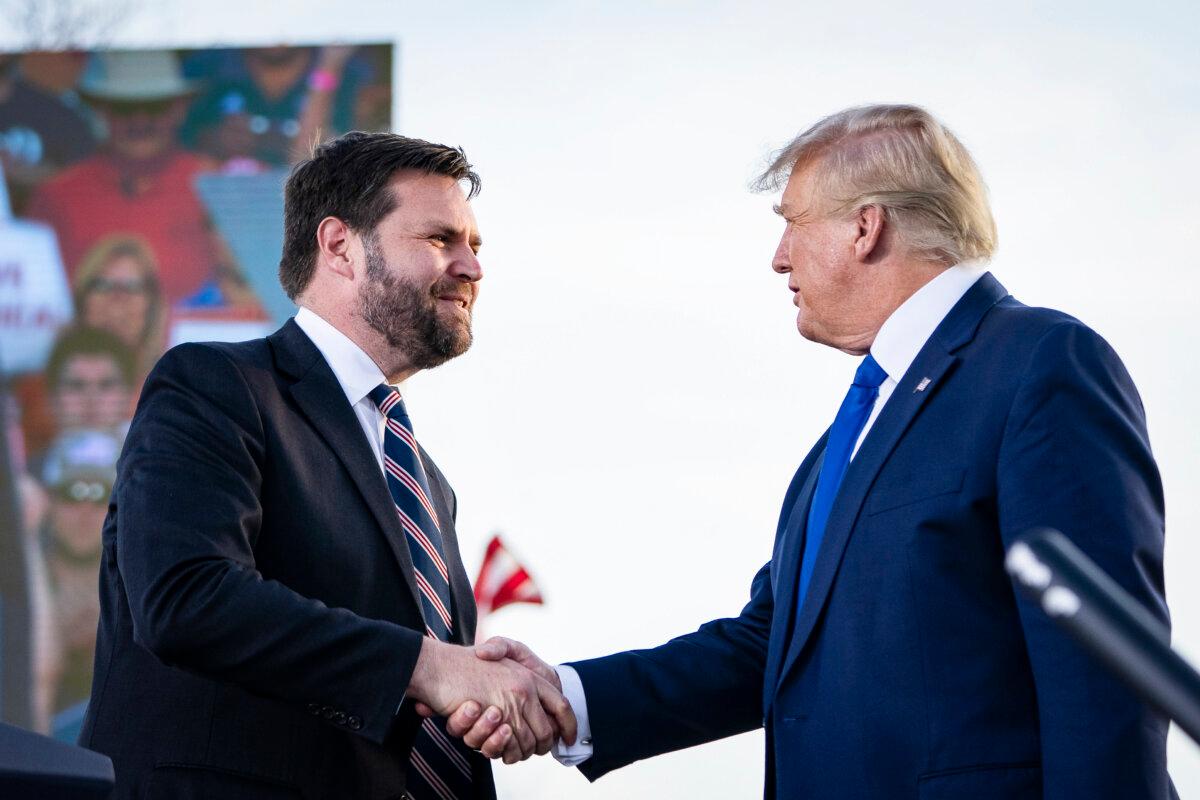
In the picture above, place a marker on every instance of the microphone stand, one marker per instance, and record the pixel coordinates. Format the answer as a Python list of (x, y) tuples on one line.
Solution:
[(1105, 619)]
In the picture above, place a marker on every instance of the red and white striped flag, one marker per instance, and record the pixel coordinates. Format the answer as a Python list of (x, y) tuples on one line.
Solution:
[(503, 580)]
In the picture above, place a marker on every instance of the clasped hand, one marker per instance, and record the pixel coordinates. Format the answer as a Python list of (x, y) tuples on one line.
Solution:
[(498, 697)]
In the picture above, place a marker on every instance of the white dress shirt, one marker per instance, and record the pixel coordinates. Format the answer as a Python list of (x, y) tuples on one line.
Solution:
[(905, 332), (896, 345), (356, 373)]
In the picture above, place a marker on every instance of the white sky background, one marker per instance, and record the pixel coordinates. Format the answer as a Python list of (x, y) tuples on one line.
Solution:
[(638, 397)]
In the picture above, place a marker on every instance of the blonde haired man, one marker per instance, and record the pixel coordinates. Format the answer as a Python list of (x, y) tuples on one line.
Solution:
[(883, 648)]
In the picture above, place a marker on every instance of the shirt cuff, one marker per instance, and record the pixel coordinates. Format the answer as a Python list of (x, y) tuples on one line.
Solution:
[(572, 689)]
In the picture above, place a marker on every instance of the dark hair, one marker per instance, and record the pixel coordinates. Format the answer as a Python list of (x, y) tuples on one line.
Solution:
[(347, 178), (80, 340)]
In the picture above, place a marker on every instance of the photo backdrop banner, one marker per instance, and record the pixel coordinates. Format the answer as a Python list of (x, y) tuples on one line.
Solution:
[(141, 205)]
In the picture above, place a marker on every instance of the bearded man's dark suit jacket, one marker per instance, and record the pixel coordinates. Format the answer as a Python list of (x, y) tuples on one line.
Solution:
[(260, 619), (912, 671)]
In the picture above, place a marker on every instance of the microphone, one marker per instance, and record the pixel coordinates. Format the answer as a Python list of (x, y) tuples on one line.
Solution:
[(1105, 619)]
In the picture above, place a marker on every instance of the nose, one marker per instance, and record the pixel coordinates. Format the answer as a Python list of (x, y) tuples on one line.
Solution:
[(780, 262), (466, 266)]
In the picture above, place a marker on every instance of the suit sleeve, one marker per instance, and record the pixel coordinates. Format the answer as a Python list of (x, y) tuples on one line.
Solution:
[(694, 689), (1076, 457), (188, 516)]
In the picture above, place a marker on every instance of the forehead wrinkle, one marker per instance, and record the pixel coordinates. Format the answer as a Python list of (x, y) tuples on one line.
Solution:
[(435, 223), (803, 194), (791, 214)]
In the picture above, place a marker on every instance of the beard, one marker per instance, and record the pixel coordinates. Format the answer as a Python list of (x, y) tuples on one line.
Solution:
[(406, 315)]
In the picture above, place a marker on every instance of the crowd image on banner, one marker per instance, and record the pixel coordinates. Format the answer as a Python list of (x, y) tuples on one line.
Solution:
[(101, 155)]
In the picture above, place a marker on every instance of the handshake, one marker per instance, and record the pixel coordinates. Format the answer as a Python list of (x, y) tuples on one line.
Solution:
[(498, 697)]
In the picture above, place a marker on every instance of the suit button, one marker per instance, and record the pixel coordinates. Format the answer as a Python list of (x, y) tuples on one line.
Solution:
[(327, 712), (314, 709), (340, 718), (354, 722)]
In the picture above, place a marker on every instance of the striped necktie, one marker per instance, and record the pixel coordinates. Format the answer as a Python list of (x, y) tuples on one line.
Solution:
[(440, 764)]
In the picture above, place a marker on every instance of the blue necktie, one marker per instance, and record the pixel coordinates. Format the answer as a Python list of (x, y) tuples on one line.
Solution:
[(847, 426), (440, 766)]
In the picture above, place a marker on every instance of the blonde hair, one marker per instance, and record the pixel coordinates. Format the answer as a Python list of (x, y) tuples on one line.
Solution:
[(902, 160), (97, 259)]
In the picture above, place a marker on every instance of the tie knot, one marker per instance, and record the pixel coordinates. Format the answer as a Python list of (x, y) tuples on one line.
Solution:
[(869, 374), (388, 400)]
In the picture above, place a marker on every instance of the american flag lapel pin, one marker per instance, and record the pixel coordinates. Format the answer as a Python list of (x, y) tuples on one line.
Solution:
[(922, 385)]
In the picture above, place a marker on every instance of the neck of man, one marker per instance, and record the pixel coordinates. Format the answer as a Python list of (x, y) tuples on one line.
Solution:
[(897, 280), (136, 173), (394, 365)]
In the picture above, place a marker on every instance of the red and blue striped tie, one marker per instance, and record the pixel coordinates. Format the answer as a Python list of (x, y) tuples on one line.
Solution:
[(440, 765)]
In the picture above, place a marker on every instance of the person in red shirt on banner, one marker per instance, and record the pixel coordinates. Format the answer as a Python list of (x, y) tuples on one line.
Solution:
[(142, 181)]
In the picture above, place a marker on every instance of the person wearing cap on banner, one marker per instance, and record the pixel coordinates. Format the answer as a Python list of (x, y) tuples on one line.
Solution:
[(141, 182), (78, 474)]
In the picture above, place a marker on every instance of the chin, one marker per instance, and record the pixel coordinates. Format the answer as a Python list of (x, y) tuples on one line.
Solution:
[(455, 341), (806, 330), (459, 324), (813, 334)]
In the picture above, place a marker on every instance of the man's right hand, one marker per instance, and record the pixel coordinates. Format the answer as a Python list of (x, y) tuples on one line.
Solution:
[(485, 732), (452, 681)]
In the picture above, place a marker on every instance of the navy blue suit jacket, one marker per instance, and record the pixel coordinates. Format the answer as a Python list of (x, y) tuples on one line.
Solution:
[(912, 669), (259, 612)]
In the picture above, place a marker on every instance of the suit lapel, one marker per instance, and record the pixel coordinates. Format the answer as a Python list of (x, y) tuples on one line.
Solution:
[(320, 396), (460, 585), (460, 590), (924, 379), (785, 561)]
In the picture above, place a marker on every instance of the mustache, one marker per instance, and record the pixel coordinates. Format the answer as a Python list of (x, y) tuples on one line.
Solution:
[(455, 289)]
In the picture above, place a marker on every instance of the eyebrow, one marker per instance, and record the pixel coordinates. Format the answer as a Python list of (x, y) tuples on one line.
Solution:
[(453, 232), (789, 214)]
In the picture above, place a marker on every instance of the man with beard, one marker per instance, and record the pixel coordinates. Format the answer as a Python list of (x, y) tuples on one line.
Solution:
[(281, 582)]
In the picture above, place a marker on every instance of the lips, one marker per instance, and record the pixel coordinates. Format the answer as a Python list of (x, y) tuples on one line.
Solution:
[(462, 302), (459, 293)]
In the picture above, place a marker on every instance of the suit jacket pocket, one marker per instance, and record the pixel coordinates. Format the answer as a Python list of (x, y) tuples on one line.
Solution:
[(984, 782), (932, 483)]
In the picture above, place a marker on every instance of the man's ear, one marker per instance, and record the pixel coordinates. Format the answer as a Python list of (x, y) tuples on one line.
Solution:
[(333, 244), (868, 240)]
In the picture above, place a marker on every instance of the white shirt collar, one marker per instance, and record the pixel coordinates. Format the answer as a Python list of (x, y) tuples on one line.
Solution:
[(353, 368), (905, 332)]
